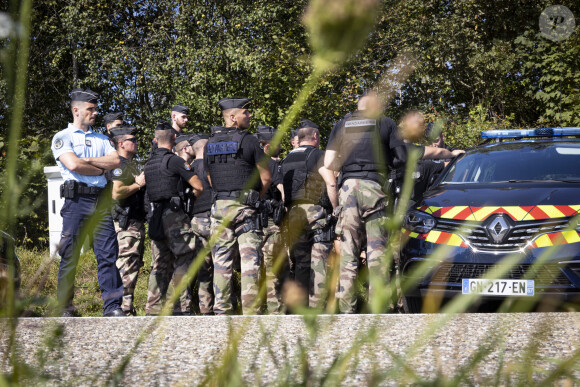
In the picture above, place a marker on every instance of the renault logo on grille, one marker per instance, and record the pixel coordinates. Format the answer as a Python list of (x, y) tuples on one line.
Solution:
[(498, 228)]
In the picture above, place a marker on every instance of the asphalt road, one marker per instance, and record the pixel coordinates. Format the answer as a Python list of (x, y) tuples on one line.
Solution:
[(185, 350)]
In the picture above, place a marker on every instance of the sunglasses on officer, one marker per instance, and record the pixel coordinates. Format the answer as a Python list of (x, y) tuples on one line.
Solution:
[(132, 139)]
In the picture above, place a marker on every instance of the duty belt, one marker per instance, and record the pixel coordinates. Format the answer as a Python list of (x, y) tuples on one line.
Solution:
[(248, 198), (89, 190), (71, 188)]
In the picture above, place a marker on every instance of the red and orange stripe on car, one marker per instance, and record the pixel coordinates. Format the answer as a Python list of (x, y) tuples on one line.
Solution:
[(517, 213), (439, 237)]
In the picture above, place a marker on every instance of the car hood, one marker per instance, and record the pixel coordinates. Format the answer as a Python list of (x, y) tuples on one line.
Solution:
[(520, 201)]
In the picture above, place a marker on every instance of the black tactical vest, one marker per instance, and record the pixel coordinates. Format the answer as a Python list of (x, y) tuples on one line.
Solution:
[(204, 202), (359, 142), (301, 184), (228, 170), (161, 183), (136, 201)]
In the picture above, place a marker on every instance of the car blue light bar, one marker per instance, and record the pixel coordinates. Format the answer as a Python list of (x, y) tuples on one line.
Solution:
[(540, 132)]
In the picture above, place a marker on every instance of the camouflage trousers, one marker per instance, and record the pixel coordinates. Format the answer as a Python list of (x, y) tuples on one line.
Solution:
[(232, 238), (272, 250), (310, 257), (201, 226), (130, 259), (170, 260), (363, 214)]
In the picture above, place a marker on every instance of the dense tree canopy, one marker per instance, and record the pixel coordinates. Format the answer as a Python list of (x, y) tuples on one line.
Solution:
[(477, 63), (143, 56)]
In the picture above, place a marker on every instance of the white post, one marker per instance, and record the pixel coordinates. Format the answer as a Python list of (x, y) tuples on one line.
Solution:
[(55, 203)]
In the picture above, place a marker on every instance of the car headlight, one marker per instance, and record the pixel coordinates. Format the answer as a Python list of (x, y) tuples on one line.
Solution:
[(420, 222)]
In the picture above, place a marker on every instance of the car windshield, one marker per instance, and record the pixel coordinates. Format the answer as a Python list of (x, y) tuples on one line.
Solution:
[(518, 161)]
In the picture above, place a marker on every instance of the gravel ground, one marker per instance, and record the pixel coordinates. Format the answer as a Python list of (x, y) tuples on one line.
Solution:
[(283, 349)]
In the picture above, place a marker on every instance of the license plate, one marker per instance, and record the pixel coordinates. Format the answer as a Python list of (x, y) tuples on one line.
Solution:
[(498, 287)]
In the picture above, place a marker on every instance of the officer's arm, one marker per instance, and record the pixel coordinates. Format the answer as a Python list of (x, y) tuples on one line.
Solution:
[(74, 164), (108, 162), (432, 152), (265, 176), (195, 183), (122, 190), (331, 160), (281, 189), (330, 181)]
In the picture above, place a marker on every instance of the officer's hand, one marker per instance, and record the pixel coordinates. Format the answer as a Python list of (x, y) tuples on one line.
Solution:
[(457, 152), (140, 179)]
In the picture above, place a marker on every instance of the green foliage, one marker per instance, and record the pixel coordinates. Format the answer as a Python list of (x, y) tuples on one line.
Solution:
[(549, 77), (39, 280), (31, 227), (145, 56), (465, 132)]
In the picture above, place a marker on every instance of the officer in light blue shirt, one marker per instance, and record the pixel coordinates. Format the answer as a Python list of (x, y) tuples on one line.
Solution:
[(84, 145), (83, 157)]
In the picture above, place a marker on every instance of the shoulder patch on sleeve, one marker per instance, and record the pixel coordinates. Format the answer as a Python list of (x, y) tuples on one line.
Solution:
[(187, 166), (58, 143), (117, 172)]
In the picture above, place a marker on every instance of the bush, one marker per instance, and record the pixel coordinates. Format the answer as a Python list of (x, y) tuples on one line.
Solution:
[(32, 222)]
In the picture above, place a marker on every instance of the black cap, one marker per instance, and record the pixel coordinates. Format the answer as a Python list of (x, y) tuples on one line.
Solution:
[(195, 137), (85, 95), (180, 109), (235, 103), (182, 137), (293, 133), (265, 133), (306, 123), (122, 130), (110, 117), (164, 125)]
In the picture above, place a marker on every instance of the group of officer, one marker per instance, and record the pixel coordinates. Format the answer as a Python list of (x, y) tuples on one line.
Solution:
[(277, 219)]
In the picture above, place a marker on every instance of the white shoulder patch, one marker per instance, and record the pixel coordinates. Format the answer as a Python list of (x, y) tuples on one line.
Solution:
[(117, 172), (58, 143), (360, 123)]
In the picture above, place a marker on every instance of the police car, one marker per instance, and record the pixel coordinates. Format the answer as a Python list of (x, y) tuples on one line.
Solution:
[(500, 221)]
